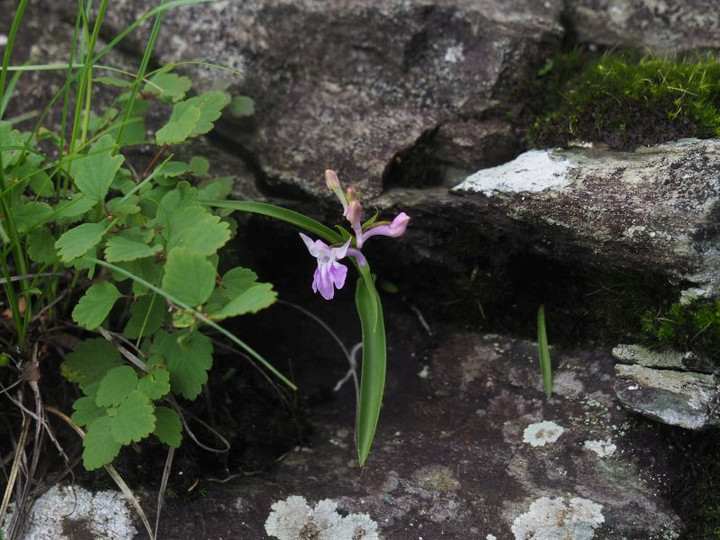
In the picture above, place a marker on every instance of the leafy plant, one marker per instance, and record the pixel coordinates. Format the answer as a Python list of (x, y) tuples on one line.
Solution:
[(134, 253), (693, 326)]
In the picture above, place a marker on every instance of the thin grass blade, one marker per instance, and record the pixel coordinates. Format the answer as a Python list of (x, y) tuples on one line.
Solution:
[(544, 353)]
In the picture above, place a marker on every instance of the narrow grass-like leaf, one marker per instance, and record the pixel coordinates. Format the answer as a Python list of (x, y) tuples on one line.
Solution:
[(372, 381), (283, 214), (544, 353), (198, 315)]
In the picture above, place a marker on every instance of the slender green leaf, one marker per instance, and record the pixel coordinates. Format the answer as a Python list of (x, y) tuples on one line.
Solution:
[(544, 353), (372, 380), (283, 214), (198, 315)]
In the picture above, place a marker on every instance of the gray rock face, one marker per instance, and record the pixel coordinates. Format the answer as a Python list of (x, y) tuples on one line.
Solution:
[(687, 400), (467, 447), (350, 84), (655, 208), (662, 359), (658, 25)]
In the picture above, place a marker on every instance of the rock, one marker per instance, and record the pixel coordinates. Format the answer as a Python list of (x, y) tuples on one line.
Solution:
[(656, 25), (74, 513), (687, 400), (352, 84), (662, 359), (654, 208), (450, 459)]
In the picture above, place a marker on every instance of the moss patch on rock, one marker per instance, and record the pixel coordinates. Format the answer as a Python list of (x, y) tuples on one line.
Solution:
[(623, 99)]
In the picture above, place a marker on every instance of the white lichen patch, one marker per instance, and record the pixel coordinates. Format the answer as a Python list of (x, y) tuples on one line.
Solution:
[(104, 514), (555, 519), (542, 433), (455, 54), (533, 171), (295, 519), (601, 448), (3, 40)]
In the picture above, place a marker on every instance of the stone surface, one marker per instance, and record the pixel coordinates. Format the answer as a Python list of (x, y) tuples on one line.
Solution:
[(655, 208), (74, 513), (351, 84), (661, 26), (661, 359), (450, 461), (687, 400)]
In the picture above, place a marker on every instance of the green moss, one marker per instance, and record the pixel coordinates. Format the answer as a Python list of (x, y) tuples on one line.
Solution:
[(623, 99), (694, 326)]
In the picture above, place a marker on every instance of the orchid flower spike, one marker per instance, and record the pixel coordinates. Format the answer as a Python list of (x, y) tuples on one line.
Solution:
[(329, 274), (394, 229), (333, 183)]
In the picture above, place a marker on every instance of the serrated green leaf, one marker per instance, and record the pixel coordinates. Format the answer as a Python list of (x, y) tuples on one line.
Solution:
[(86, 411), (146, 269), (116, 386), (41, 246), (11, 144), (242, 106), (129, 245), (252, 300), (94, 172), (79, 240), (146, 316), (133, 131), (95, 305), (168, 426), (215, 189), (123, 207), (28, 215), (155, 384), (237, 281), (188, 356), (133, 419), (76, 206), (169, 86), (174, 168), (90, 361), (198, 230), (189, 276), (99, 446), (210, 104), (183, 119), (198, 166)]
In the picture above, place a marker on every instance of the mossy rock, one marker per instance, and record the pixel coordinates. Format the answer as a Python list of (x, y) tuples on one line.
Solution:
[(623, 100)]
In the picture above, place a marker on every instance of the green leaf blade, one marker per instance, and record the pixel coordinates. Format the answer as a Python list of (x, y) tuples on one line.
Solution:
[(188, 356), (79, 240), (95, 305), (168, 426), (374, 365), (252, 300), (134, 419), (94, 172), (116, 386), (99, 446), (544, 354), (90, 361), (189, 276)]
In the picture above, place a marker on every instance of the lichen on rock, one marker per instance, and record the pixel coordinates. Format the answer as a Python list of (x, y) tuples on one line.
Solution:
[(294, 519), (556, 519), (542, 433)]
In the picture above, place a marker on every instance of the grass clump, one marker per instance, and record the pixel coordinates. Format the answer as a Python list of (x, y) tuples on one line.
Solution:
[(623, 99), (687, 327)]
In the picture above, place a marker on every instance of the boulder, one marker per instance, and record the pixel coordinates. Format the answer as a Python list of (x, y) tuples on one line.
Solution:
[(655, 25)]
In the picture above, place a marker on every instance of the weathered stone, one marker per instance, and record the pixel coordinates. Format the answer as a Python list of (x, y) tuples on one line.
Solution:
[(683, 399), (660, 26), (351, 84), (661, 359), (450, 459), (655, 208)]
